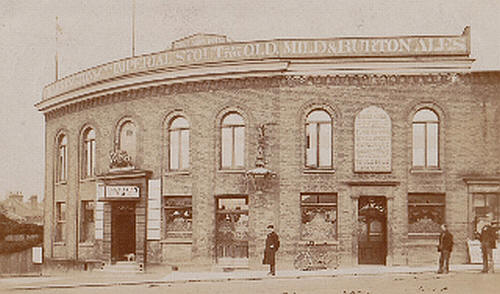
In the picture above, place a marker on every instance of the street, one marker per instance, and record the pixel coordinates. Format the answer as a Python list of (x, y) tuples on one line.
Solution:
[(455, 282)]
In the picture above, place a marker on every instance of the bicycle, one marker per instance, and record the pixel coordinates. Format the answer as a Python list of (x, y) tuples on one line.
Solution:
[(308, 260)]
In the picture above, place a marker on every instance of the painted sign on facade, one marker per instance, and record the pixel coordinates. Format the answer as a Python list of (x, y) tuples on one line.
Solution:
[(271, 49), (372, 141), (122, 192)]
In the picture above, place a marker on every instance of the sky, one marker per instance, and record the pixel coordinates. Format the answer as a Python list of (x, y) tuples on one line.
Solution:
[(97, 31)]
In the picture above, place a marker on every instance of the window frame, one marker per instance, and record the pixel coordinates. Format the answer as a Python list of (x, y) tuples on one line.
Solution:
[(317, 165), (487, 208), (90, 239), (180, 150), (62, 158), (119, 140), (319, 205), (166, 207), (234, 144), (426, 124), (60, 220), (441, 204), (89, 166)]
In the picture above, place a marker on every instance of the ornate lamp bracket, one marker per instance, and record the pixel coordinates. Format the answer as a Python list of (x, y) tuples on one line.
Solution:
[(260, 175)]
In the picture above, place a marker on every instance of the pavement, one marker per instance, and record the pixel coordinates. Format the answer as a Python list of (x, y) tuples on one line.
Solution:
[(101, 279)]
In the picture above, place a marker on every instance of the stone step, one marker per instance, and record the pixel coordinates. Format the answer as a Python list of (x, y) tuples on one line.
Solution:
[(123, 267)]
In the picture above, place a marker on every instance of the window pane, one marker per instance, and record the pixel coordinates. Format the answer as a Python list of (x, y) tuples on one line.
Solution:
[(327, 198), (319, 220), (88, 158), (309, 199), (479, 201), (226, 148), (239, 146), (93, 158), (128, 139), (185, 149), (174, 150), (325, 145), (426, 213), (432, 144), (425, 115), (179, 122), (418, 144), (87, 221), (312, 145), (318, 116), (62, 162), (90, 134), (233, 119)]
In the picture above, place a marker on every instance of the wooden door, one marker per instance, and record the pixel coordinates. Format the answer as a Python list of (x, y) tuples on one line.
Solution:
[(372, 236), (122, 230)]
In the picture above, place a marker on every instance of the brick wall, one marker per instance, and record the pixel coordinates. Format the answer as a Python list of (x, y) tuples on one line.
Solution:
[(469, 115)]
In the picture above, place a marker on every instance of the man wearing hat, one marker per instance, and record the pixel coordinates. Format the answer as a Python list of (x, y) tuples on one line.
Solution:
[(488, 243), (272, 245)]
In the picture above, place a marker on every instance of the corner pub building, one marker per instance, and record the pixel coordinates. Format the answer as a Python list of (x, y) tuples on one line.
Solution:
[(363, 145)]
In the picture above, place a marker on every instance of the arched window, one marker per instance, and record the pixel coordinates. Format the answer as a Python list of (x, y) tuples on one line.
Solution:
[(426, 139), (88, 165), (318, 139), (233, 141), (128, 139), (179, 144), (62, 158)]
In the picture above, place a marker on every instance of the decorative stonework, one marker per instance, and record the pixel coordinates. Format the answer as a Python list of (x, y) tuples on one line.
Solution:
[(120, 159), (262, 83)]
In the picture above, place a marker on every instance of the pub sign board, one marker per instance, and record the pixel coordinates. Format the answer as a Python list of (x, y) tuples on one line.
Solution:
[(123, 192)]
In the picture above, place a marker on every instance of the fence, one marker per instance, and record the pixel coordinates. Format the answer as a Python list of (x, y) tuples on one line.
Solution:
[(18, 263)]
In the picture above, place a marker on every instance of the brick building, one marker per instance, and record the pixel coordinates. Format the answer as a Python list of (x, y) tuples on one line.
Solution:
[(362, 145)]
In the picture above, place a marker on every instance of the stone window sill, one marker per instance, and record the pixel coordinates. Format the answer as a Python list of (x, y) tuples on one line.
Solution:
[(421, 236), (177, 173), (61, 183), (426, 171), (86, 244), (85, 180), (231, 171), (318, 171), (177, 241), (61, 243), (319, 242)]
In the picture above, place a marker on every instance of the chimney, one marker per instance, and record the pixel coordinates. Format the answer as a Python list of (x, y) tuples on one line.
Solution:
[(33, 201), (17, 196)]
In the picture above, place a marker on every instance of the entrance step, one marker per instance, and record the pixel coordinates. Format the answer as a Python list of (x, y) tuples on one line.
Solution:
[(123, 267)]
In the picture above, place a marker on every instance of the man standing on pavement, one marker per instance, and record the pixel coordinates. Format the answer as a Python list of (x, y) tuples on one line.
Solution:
[(445, 246), (272, 245), (488, 243)]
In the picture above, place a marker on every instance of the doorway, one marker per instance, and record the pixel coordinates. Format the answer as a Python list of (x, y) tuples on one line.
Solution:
[(372, 225), (232, 230), (122, 231)]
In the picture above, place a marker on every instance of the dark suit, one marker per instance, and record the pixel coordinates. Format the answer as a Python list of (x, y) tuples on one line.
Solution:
[(272, 245), (445, 247), (488, 240)]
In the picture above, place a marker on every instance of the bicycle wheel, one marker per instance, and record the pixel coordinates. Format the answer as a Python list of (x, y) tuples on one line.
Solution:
[(301, 261), (328, 259)]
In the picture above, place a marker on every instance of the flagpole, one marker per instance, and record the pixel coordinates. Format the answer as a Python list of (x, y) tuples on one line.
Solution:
[(57, 56), (133, 27)]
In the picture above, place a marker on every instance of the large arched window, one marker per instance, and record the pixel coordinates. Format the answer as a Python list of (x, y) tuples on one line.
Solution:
[(62, 158), (128, 139), (179, 144), (426, 139), (88, 156), (233, 141), (318, 139)]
